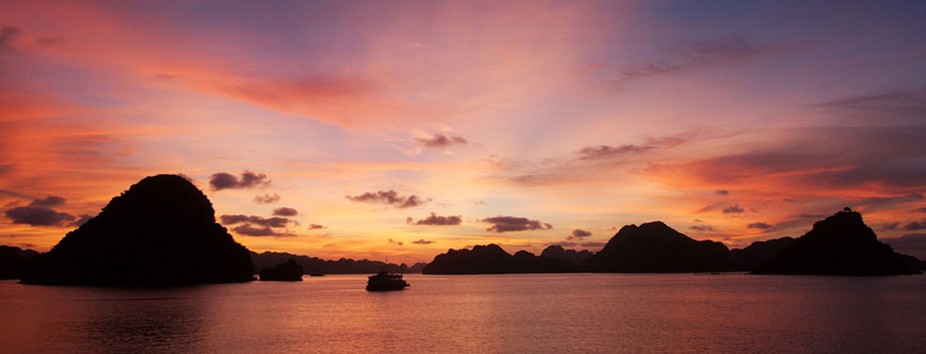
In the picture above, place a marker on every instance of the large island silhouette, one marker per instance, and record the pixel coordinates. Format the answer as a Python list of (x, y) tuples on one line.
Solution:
[(839, 245), (160, 232)]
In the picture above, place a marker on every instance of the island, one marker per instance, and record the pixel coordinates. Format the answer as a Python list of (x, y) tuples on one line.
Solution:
[(839, 245), (286, 271), (160, 232)]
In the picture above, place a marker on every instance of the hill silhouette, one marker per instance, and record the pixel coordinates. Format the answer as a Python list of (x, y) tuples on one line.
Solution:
[(286, 271), (14, 261), (492, 259), (571, 256), (314, 265), (160, 232), (655, 247), (839, 245), (745, 259)]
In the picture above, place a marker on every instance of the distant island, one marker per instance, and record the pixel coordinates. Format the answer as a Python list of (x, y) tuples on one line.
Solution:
[(286, 271), (14, 261), (840, 245), (493, 259), (160, 232), (314, 265)]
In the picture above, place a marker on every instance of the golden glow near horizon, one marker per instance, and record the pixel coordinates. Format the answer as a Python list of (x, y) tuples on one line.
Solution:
[(498, 118)]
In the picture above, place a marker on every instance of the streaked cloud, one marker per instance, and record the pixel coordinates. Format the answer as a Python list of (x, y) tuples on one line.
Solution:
[(390, 198), (223, 180), (513, 223), (437, 220), (284, 211)]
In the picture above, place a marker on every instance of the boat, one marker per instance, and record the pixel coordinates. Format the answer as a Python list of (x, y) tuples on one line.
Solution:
[(316, 274), (385, 281)]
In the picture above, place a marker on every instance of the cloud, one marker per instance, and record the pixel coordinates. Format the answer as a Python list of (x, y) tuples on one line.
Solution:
[(904, 107), (50, 201), (266, 198), (606, 151), (8, 34), (400, 243), (911, 244), (722, 192), (257, 220), (703, 228), (223, 180), (436, 220), (512, 223), (439, 141), (735, 209), (423, 242), (390, 197), (249, 230), (284, 211), (699, 55), (579, 234), (915, 226), (759, 225), (81, 219), (39, 216), (891, 226), (316, 227)]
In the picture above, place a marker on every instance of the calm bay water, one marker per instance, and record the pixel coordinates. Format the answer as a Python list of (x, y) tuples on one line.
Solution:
[(581, 313)]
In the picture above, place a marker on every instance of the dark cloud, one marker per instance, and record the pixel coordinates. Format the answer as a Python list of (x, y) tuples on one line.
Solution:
[(248, 179), (50, 201), (759, 225), (439, 141), (512, 223), (4, 168), (400, 243), (266, 198), (722, 192), (699, 55), (7, 35), (915, 226), (891, 226), (316, 226), (423, 242), (284, 211), (911, 244), (260, 230), (81, 219), (903, 107), (39, 216), (579, 234), (390, 197), (257, 220), (186, 177), (436, 220), (922, 210), (702, 228), (735, 209), (606, 151)]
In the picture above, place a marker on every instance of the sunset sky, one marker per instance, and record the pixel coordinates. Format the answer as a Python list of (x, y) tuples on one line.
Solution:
[(401, 129)]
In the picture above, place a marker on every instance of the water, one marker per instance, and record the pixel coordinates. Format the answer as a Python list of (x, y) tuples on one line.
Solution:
[(574, 313)]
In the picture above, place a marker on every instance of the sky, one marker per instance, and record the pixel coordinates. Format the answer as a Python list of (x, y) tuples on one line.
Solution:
[(395, 130)]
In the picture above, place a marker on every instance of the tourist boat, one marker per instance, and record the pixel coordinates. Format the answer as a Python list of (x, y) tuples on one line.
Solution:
[(384, 281)]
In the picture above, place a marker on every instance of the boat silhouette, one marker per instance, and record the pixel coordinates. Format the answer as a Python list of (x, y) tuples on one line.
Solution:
[(385, 281)]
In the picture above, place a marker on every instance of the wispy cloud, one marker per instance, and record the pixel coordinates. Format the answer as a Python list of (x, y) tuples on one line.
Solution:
[(691, 55)]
